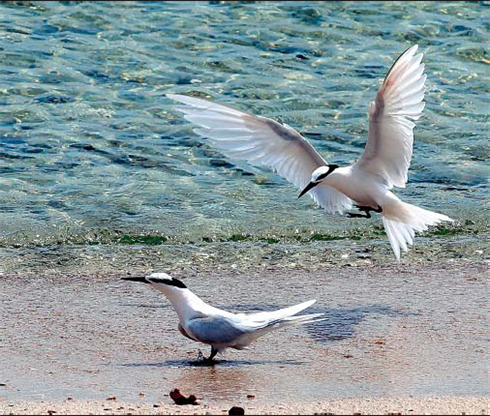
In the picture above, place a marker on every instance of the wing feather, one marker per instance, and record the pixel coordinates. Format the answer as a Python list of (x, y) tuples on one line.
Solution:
[(262, 141), (215, 330), (389, 147)]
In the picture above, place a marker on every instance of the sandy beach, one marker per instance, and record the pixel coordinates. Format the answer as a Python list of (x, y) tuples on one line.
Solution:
[(399, 338), (364, 406)]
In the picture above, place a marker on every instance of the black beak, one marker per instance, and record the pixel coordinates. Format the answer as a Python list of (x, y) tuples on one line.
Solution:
[(141, 279), (310, 186)]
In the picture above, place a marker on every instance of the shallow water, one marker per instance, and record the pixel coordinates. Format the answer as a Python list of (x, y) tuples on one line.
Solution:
[(91, 151)]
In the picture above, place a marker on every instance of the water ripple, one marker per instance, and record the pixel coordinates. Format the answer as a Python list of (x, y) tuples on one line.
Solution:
[(87, 136)]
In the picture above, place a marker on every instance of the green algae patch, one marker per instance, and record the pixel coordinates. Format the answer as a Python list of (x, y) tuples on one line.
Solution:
[(151, 240), (325, 237), (276, 235), (469, 227), (235, 238)]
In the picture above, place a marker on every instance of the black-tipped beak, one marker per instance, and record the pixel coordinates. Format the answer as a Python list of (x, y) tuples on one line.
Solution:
[(310, 186), (141, 279)]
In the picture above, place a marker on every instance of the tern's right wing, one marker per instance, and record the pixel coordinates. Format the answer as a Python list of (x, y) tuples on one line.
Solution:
[(260, 140)]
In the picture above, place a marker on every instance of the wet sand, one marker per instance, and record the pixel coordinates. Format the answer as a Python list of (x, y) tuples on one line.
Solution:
[(396, 336)]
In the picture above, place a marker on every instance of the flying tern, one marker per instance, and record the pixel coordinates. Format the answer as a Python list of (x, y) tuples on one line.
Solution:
[(365, 184), (220, 329)]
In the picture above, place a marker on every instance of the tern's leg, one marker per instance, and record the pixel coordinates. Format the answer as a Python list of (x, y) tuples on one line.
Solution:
[(367, 211), (214, 351)]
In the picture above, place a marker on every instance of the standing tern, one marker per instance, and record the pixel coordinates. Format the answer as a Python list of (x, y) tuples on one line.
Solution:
[(365, 184), (204, 323)]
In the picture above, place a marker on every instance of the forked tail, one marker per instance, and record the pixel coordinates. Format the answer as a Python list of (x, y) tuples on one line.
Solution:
[(401, 220)]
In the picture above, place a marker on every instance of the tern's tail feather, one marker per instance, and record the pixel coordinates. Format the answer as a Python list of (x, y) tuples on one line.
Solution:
[(401, 220), (290, 321), (285, 317), (297, 320), (262, 323)]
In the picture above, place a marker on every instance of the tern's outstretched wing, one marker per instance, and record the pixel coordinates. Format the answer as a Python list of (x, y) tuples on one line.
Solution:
[(389, 147), (260, 140)]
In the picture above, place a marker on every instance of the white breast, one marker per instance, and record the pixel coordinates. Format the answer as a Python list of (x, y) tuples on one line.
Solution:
[(359, 186)]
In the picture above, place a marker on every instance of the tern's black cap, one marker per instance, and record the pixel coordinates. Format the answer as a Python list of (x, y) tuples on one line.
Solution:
[(161, 278)]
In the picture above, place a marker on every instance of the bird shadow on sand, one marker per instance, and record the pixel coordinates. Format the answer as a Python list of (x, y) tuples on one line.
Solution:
[(342, 323), (221, 363)]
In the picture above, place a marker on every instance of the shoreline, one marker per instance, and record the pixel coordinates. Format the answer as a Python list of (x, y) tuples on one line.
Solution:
[(199, 257), (456, 405)]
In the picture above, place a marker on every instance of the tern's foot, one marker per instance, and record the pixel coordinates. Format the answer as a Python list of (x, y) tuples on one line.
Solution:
[(367, 211), (354, 215), (366, 208), (205, 361)]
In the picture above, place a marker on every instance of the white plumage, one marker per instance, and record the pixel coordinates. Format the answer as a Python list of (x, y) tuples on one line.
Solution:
[(220, 329), (367, 183), (260, 140)]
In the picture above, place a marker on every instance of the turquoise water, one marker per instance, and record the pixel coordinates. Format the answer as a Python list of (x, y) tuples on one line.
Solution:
[(91, 151)]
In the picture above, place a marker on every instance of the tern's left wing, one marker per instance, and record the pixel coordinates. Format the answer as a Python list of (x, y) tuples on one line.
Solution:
[(260, 140), (389, 147), (215, 330)]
